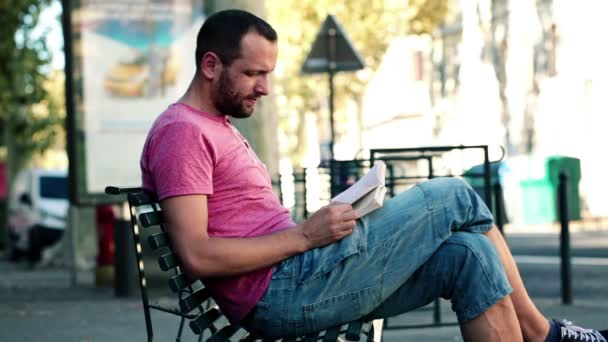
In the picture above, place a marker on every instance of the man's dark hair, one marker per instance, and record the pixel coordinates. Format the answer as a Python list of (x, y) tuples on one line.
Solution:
[(222, 33)]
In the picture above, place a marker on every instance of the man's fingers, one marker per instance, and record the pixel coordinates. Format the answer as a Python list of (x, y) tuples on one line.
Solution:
[(350, 215), (344, 210), (341, 206), (348, 225)]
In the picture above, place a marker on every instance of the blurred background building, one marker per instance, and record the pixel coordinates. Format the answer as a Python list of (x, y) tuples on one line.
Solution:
[(526, 75)]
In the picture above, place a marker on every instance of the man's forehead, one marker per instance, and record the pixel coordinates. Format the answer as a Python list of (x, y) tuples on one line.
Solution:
[(258, 51), (252, 37)]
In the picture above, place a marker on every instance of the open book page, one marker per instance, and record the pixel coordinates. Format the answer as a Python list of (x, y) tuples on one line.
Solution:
[(367, 193)]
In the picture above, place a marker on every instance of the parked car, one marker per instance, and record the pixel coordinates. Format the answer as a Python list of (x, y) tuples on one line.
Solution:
[(37, 211)]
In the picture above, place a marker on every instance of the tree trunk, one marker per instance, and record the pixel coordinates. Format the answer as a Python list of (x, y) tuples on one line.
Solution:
[(9, 174), (500, 51), (261, 128)]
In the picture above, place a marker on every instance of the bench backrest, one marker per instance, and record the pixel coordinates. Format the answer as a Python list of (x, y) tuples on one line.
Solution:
[(193, 296), (195, 301)]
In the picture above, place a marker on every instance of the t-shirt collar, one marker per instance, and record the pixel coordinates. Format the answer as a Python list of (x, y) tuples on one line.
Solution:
[(210, 116)]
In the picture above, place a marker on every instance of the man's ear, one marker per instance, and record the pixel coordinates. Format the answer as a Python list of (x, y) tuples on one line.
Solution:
[(211, 65)]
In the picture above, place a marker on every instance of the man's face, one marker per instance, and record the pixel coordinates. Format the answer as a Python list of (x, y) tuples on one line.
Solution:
[(247, 78)]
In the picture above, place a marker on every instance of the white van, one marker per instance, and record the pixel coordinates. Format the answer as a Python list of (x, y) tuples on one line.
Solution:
[(39, 198)]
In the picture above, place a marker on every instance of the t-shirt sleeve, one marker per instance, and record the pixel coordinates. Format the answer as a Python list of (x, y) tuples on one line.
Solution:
[(181, 161)]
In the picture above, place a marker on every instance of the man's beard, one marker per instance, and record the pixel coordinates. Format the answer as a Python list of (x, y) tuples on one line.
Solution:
[(228, 101)]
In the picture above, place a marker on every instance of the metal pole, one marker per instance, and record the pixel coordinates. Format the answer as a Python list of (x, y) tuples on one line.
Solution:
[(391, 177), (305, 192), (331, 69), (436, 312), (331, 51), (436, 303), (331, 115), (332, 178), (280, 185), (487, 178), (431, 171), (498, 200), (72, 229), (566, 266)]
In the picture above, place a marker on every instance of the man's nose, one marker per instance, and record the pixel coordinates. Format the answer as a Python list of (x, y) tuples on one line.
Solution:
[(262, 85)]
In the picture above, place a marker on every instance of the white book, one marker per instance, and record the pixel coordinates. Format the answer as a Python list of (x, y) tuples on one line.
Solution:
[(367, 194)]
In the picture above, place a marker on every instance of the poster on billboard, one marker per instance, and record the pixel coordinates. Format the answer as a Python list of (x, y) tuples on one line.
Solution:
[(131, 59)]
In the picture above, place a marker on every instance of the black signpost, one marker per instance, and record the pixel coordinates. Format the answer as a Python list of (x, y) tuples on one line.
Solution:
[(330, 53)]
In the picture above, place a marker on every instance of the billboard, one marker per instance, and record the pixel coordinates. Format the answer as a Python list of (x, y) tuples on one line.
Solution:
[(131, 59)]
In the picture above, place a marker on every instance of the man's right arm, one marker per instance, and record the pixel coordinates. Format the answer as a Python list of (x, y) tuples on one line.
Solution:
[(205, 256)]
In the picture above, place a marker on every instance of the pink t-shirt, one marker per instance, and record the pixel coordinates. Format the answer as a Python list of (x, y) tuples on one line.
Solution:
[(191, 152)]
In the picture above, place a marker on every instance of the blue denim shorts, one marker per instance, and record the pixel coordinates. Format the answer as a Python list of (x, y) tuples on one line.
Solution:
[(425, 243)]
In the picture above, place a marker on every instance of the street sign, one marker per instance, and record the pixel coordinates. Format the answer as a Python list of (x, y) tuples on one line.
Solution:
[(332, 51)]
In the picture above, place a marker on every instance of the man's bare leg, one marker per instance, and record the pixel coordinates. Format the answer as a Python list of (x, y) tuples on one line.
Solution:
[(534, 326), (498, 323)]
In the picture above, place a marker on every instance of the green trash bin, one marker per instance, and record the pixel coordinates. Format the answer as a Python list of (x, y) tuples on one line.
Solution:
[(540, 196)]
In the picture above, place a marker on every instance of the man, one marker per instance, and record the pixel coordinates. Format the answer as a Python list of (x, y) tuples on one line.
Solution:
[(279, 278)]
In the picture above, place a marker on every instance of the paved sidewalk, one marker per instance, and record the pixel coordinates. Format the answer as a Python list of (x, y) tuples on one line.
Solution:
[(40, 305)]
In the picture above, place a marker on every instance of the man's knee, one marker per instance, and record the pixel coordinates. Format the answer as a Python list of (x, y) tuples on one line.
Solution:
[(465, 208), (474, 248), (479, 279), (466, 258)]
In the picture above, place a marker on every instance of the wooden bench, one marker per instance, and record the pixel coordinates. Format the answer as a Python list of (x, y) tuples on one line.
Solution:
[(194, 303)]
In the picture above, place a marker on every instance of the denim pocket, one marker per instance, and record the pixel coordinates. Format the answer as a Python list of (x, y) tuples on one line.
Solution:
[(284, 269), (337, 310), (320, 261)]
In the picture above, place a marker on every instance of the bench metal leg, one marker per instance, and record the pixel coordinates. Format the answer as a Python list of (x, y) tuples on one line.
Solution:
[(437, 312)]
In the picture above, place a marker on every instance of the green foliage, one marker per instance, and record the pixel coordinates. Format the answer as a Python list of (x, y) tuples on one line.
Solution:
[(428, 15), (29, 119), (370, 25), (43, 127)]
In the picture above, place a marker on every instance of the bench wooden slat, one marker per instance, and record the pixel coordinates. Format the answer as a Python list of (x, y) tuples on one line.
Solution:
[(331, 334), (115, 190), (140, 198), (193, 300), (151, 218), (312, 337), (167, 261), (248, 337), (224, 334), (179, 282), (158, 240), (353, 331), (204, 320), (371, 334)]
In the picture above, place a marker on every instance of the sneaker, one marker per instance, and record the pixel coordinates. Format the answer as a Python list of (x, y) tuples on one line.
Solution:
[(573, 333)]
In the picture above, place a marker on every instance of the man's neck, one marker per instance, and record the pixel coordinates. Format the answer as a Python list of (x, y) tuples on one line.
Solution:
[(197, 96)]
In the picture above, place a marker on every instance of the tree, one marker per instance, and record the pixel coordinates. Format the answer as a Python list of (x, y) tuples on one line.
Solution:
[(496, 37), (28, 120)]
